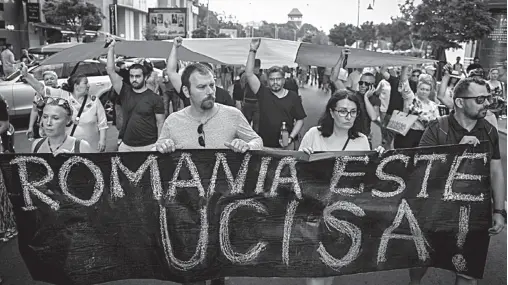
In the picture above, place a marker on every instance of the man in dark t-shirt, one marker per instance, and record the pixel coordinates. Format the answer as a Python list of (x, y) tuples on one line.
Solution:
[(475, 65), (276, 104), (467, 125), (143, 109)]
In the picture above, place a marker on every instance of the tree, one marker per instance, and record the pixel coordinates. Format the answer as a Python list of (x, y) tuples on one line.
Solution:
[(367, 33), (446, 23), (149, 32), (342, 34), (201, 32), (398, 32), (77, 15)]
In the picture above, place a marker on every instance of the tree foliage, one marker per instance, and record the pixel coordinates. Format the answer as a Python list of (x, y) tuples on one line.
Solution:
[(201, 32), (149, 32), (367, 33), (77, 15), (446, 23), (343, 34), (398, 32)]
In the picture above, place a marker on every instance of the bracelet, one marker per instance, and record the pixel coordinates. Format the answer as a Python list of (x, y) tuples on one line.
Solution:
[(501, 212), (253, 50)]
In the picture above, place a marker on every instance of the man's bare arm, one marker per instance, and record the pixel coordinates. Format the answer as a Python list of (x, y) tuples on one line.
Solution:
[(116, 80)]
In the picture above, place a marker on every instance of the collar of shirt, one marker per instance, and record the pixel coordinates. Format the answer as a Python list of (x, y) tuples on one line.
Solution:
[(454, 124)]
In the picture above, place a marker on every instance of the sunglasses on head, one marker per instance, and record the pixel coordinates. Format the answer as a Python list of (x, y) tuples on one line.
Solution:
[(368, 84), (201, 138), (479, 99)]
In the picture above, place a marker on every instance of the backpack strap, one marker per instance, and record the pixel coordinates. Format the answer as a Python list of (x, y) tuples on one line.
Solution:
[(77, 143), (39, 144), (442, 132)]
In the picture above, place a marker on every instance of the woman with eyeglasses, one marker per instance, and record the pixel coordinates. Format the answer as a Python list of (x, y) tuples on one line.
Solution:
[(418, 104), (56, 118), (89, 117), (50, 79), (338, 130)]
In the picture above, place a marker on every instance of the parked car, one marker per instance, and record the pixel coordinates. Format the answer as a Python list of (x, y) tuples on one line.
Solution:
[(20, 95)]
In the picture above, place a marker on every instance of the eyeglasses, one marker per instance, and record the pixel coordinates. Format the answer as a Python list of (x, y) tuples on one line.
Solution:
[(344, 113), (368, 84), (201, 138), (479, 99), (415, 75)]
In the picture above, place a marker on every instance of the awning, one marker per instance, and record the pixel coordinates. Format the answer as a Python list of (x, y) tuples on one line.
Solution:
[(51, 26)]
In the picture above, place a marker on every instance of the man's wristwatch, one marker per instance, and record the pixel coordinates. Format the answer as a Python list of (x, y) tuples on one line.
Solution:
[(501, 212)]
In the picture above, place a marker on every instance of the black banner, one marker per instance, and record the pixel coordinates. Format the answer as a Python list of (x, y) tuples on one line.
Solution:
[(196, 215), (33, 12)]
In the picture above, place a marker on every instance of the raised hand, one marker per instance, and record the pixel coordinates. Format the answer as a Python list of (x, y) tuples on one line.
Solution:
[(178, 41), (254, 44)]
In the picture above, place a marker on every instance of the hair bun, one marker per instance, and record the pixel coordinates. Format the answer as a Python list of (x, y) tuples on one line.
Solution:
[(66, 87)]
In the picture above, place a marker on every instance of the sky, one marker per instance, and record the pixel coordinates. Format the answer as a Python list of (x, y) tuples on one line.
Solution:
[(323, 14)]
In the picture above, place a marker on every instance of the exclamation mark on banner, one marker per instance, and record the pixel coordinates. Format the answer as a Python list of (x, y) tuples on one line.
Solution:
[(458, 260)]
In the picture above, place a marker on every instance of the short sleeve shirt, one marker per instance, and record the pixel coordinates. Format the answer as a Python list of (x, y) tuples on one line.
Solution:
[(483, 131), (139, 110), (274, 111)]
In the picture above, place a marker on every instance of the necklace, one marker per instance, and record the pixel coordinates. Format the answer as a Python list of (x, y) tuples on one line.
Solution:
[(49, 144)]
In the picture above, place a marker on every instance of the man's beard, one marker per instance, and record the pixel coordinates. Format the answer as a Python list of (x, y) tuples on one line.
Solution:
[(479, 115), (208, 103), (276, 88), (137, 85)]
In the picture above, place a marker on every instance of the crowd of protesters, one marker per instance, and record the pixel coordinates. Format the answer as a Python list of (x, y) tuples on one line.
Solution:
[(184, 109)]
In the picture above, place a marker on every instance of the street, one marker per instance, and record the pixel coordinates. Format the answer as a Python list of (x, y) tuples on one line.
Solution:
[(14, 271)]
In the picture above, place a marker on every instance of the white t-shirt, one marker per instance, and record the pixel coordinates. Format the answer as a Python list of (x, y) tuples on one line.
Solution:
[(317, 142)]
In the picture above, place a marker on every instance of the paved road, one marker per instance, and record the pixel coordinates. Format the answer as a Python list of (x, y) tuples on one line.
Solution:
[(14, 271)]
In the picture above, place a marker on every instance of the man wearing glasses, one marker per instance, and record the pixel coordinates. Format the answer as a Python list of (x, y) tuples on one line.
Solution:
[(466, 124), (277, 105), (369, 103)]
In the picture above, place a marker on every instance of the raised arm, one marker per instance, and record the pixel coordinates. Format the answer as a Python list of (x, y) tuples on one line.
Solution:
[(252, 79), (174, 77), (36, 85), (339, 84), (116, 80)]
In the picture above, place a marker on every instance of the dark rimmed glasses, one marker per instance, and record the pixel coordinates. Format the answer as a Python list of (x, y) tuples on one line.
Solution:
[(201, 133), (344, 112), (480, 99)]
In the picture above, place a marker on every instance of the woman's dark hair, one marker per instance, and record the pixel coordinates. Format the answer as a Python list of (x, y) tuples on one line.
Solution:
[(73, 80), (326, 123)]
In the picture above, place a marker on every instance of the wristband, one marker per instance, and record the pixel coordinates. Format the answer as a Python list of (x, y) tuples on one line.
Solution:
[(253, 50), (501, 212)]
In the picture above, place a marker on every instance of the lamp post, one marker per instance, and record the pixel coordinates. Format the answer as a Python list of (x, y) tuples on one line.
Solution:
[(207, 17), (358, 16)]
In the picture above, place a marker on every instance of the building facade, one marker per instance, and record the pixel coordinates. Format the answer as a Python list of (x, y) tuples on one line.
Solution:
[(492, 48)]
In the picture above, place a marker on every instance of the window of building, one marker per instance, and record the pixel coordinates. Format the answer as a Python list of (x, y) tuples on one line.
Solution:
[(2, 24), (1, 6)]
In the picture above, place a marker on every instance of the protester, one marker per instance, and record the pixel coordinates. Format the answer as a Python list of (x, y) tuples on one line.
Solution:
[(56, 118), (413, 80), (8, 60), (143, 110), (383, 90), (50, 79), (90, 122), (247, 99), (339, 127), (169, 95), (277, 106), (26, 58), (217, 126), (223, 96), (290, 82), (353, 79), (457, 66), (420, 105), (445, 91), (480, 74), (497, 88), (369, 103), (467, 125), (7, 222), (475, 65)]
